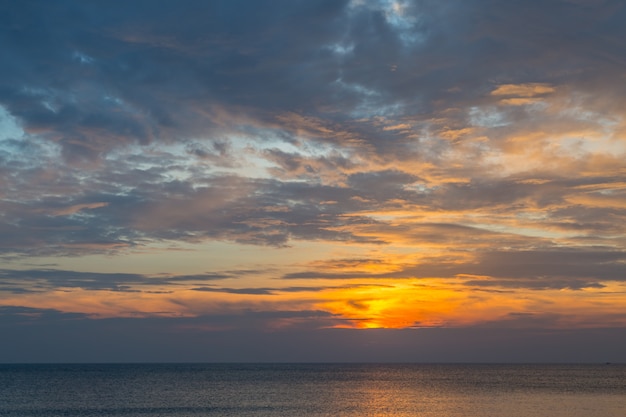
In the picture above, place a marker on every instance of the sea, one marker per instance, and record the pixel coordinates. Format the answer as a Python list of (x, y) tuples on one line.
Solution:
[(300, 390)]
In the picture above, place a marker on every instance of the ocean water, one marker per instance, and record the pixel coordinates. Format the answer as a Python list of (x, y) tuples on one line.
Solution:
[(390, 390)]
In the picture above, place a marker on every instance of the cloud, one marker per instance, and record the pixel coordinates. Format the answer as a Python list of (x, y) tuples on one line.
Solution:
[(70, 338), (475, 142), (534, 269), (167, 82), (522, 90), (75, 209), (42, 280)]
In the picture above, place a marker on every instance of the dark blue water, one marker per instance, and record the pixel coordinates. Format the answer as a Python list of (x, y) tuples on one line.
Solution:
[(182, 390)]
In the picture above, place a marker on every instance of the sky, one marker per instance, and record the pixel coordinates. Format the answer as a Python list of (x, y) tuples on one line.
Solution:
[(313, 180)]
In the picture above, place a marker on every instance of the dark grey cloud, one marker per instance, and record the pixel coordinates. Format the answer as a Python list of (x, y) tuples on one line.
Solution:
[(39, 335), (295, 164), (122, 208), (601, 264), (24, 281), (94, 76), (15, 315), (277, 290), (61, 211), (42, 280), (535, 269), (248, 291)]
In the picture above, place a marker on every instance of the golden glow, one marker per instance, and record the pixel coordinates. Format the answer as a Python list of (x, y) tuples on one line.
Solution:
[(414, 255), (388, 303), (522, 90), (371, 176)]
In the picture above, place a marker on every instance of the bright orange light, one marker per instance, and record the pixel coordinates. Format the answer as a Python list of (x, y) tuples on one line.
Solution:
[(364, 304)]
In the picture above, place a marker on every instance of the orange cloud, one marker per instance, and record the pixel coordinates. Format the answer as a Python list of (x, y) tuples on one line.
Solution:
[(400, 126), (450, 303), (523, 90), (358, 303)]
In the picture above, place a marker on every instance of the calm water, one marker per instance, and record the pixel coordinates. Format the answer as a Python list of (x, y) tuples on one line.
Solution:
[(313, 390)]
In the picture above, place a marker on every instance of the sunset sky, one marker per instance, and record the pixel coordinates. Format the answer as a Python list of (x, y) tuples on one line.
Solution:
[(284, 180)]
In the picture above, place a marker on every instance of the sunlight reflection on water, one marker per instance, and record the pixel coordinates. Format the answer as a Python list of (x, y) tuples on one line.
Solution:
[(313, 390)]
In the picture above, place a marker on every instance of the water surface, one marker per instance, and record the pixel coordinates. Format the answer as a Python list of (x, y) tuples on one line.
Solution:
[(391, 390)]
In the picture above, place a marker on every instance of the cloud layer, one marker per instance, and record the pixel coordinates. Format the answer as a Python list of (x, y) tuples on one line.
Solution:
[(470, 147)]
